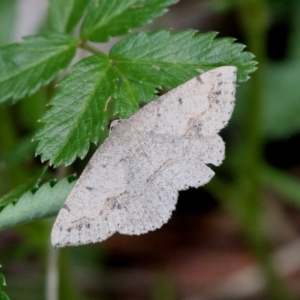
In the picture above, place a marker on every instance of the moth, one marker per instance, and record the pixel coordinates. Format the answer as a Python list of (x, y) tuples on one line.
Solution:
[(131, 183)]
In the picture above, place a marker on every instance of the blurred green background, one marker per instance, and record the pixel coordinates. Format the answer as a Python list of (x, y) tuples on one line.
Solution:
[(237, 237)]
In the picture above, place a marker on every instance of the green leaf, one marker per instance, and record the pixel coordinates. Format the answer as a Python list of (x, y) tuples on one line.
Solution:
[(108, 18), (79, 111), (131, 96), (44, 202), (135, 68), (165, 59), (26, 66), (64, 15), (152, 60)]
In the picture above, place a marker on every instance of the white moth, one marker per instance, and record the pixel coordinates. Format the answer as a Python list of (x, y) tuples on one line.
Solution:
[(131, 183)]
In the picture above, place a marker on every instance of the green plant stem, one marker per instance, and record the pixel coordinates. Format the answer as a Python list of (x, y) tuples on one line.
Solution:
[(84, 45), (248, 198)]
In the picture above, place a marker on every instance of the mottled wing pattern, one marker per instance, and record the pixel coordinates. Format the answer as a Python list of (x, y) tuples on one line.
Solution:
[(89, 213), (202, 106), (131, 184)]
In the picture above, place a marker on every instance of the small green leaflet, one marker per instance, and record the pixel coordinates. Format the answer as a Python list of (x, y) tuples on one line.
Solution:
[(24, 67), (44, 202), (107, 18), (135, 68), (131, 95), (79, 111), (165, 59), (64, 15)]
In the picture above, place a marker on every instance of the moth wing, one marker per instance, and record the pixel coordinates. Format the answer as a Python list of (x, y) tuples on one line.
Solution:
[(131, 184), (152, 199), (88, 213), (202, 106)]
